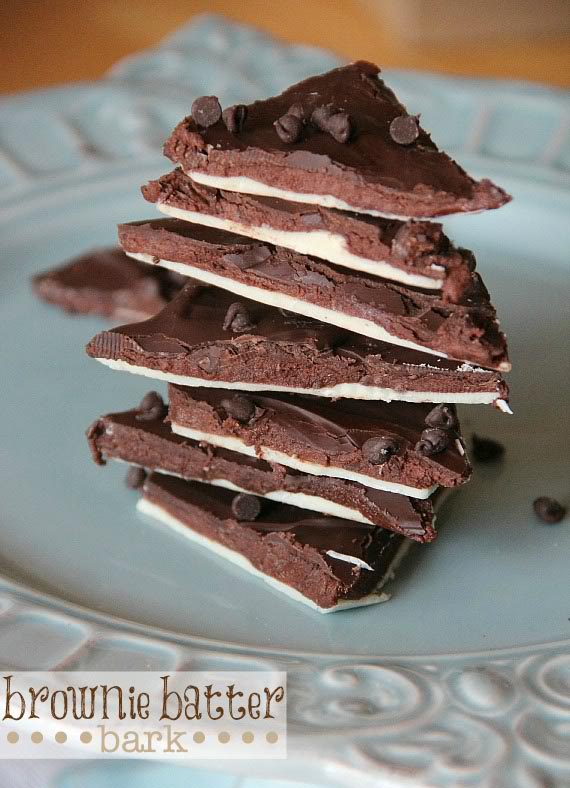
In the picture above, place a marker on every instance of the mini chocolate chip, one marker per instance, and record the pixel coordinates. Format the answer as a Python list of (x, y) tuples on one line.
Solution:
[(135, 477), (548, 509), (298, 111), (339, 126), (486, 449), (321, 116), (404, 129), (442, 416), (206, 111), (234, 117), (289, 128), (151, 407), (246, 507), (239, 407), (432, 441), (237, 319), (379, 450)]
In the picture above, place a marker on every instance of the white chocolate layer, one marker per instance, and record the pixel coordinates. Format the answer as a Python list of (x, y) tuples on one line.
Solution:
[(279, 300), (240, 183), (302, 500), (320, 243), (341, 390), (146, 507), (273, 455)]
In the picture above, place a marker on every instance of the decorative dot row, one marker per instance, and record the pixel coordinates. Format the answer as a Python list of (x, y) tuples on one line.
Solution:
[(86, 737)]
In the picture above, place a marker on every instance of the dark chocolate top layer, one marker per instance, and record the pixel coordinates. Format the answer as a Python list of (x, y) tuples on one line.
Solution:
[(107, 282), (150, 443), (328, 433), (285, 542), (188, 338), (369, 172), (419, 248), (467, 331)]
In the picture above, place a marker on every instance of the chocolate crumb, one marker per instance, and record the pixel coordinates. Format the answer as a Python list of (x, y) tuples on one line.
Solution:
[(237, 319), (135, 477), (339, 126), (379, 450), (234, 118), (151, 407), (432, 441), (549, 510), (206, 111), (289, 128), (246, 507), (415, 239), (239, 408), (442, 416), (486, 449), (93, 433), (404, 129)]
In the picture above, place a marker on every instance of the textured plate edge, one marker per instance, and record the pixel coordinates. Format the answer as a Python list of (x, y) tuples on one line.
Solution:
[(505, 706)]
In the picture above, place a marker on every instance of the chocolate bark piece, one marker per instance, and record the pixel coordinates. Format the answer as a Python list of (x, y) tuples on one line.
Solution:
[(152, 445), (414, 253), (106, 282), (370, 173), (325, 437), (327, 562), (383, 310), (186, 343)]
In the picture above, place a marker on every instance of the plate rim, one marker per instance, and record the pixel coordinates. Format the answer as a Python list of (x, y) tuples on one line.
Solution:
[(495, 696)]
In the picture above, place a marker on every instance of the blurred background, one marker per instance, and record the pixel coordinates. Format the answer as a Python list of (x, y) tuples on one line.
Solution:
[(54, 41)]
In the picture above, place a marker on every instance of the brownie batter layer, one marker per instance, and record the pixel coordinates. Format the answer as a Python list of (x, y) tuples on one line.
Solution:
[(106, 282), (149, 443), (370, 173), (372, 307), (326, 562), (187, 343), (323, 438), (412, 253)]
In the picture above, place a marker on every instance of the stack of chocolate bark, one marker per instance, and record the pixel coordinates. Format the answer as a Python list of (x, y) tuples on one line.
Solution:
[(315, 356)]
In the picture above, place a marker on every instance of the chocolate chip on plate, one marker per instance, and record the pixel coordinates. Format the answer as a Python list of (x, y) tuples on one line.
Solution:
[(379, 450), (442, 416), (433, 441), (206, 111), (237, 319), (151, 407), (486, 449), (246, 507), (549, 509), (135, 477), (234, 117), (404, 129), (289, 128), (239, 407)]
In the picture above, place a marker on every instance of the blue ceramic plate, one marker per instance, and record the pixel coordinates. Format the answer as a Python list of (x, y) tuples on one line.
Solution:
[(464, 676)]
